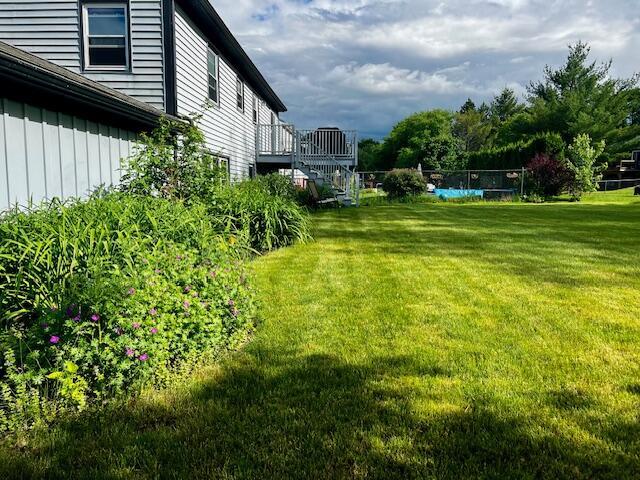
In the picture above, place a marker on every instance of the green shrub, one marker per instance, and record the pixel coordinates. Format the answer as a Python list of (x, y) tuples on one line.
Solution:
[(173, 163), (583, 157), (517, 155), (265, 221), (109, 294), (277, 185), (402, 183)]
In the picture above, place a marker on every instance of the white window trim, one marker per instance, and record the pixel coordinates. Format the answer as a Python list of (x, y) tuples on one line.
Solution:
[(255, 107), (85, 36), (217, 58), (240, 83)]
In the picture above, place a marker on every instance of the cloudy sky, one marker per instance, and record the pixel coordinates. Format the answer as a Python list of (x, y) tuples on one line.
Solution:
[(366, 64)]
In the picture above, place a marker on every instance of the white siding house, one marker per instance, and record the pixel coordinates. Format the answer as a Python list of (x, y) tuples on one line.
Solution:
[(116, 66), (93, 74), (52, 29), (229, 130), (46, 154)]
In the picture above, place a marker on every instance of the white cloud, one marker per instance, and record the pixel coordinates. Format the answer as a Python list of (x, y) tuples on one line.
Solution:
[(367, 63)]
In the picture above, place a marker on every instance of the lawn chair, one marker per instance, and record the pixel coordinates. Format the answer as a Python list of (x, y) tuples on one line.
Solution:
[(313, 189)]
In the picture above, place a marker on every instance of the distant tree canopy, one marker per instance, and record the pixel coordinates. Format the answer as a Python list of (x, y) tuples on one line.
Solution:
[(424, 138), (579, 97)]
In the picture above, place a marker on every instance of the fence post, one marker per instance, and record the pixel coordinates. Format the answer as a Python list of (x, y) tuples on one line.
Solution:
[(522, 183)]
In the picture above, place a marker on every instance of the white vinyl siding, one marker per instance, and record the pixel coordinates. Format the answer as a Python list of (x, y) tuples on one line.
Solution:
[(228, 131), (51, 30), (46, 154)]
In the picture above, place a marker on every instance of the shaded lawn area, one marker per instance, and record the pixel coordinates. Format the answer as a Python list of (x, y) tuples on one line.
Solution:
[(408, 341)]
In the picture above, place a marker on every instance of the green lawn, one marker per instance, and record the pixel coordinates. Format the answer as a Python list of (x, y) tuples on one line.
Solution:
[(408, 341)]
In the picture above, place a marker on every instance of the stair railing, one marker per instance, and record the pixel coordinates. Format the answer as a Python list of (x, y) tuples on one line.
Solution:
[(316, 158)]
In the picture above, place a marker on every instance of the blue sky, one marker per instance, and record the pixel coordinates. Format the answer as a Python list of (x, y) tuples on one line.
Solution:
[(365, 64)]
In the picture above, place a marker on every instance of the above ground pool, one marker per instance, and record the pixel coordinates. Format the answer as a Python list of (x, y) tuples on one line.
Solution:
[(458, 193)]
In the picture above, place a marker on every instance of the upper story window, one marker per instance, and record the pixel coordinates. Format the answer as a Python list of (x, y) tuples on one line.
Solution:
[(240, 94), (105, 36), (213, 67), (255, 109)]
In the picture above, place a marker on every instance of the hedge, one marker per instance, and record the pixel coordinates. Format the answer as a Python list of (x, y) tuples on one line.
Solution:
[(517, 155)]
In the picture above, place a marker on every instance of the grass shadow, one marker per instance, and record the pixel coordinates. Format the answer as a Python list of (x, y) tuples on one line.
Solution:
[(313, 416)]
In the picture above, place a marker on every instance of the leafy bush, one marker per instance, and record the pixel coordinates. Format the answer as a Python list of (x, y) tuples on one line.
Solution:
[(518, 154), (277, 185), (108, 294), (548, 176), (582, 164), (403, 183), (173, 162), (263, 220)]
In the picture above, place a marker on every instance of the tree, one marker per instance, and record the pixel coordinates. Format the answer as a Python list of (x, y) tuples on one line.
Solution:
[(583, 158), (582, 97), (369, 155), (504, 106), (423, 138), (473, 130), (468, 106)]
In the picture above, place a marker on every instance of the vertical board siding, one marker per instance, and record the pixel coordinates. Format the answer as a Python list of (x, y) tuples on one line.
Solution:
[(51, 30), (51, 154), (228, 131)]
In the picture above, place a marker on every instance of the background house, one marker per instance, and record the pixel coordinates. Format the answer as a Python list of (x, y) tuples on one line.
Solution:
[(176, 57)]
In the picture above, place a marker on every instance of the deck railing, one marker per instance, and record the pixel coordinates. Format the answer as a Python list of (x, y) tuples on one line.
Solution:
[(275, 139), (340, 144)]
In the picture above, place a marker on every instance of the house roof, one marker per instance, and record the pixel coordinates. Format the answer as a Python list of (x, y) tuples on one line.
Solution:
[(32, 79), (205, 16)]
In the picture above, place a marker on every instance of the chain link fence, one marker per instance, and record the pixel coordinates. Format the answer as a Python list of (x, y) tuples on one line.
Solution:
[(494, 184), (611, 185)]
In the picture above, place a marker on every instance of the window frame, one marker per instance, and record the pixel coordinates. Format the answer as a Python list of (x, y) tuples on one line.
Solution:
[(211, 51), (240, 94), (84, 19), (255, 110)]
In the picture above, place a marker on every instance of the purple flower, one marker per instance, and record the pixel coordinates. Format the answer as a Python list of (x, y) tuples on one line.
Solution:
[(153, 312), (70, 310), (213, 274), (54, 339), (186, 304), (231, 303), (144, 357), (44, 325), (131, 291), (187, 289), (130, 352), (118, 331), (76, 318), (95, 318), (136, 325), (154, 330)]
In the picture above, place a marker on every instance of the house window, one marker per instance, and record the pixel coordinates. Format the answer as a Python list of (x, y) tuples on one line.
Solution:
[(105, 36), (223, 163), (240, 94), (213, 64), (255, 109)]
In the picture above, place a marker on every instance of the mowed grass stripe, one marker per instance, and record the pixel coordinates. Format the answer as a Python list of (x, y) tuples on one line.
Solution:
[(406, 341)]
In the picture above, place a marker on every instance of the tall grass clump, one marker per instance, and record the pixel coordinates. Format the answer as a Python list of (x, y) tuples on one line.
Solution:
[(263, 212)]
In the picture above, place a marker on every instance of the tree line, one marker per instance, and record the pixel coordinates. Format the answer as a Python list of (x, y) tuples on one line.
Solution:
[(578, 99)]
